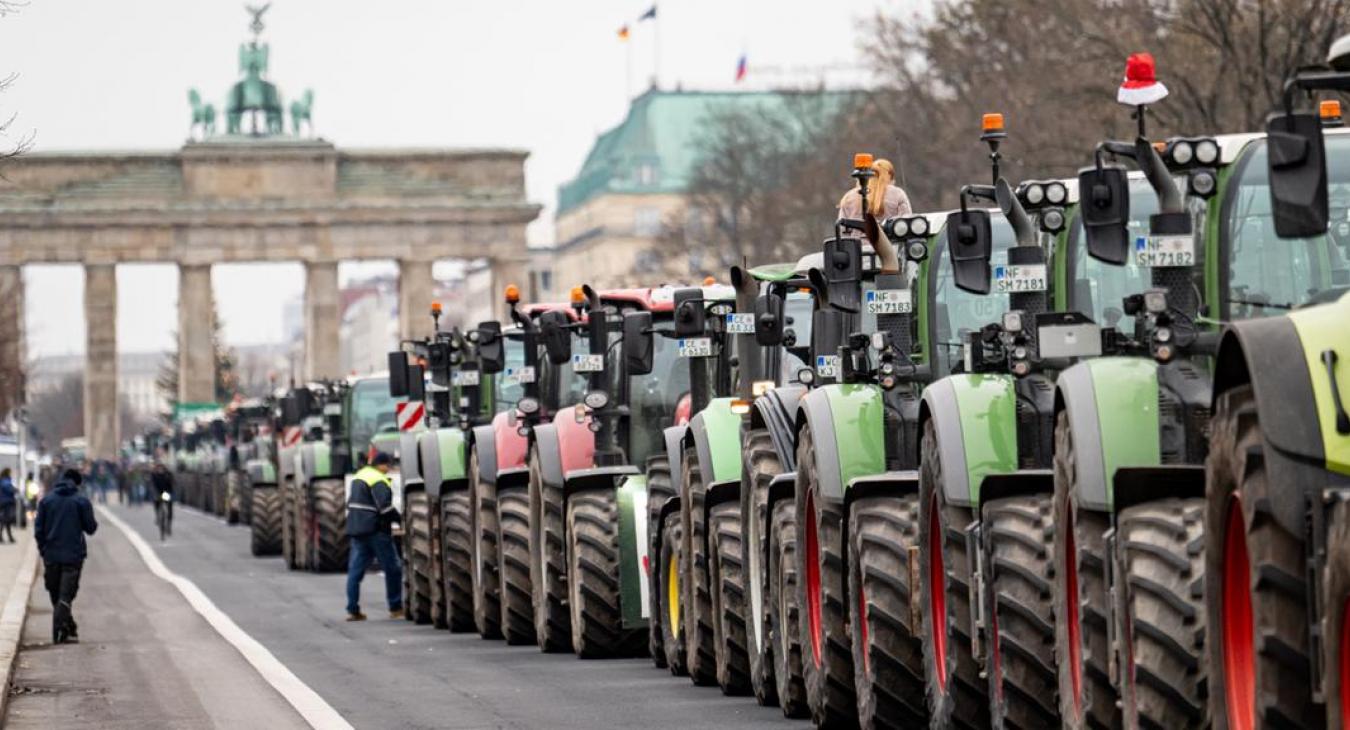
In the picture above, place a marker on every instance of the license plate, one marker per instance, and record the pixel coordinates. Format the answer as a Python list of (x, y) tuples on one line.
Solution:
[(889, 301), (741, 323), (525, 375), (694, 347), (1164, 251), (827, 366), (1021, 278), (588, 363), (465, 377)]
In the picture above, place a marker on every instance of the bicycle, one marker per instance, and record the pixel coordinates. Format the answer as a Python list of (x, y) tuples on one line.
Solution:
[(164, 515)]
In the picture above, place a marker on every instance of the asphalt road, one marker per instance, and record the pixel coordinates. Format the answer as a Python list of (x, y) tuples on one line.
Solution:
[(382, 673)]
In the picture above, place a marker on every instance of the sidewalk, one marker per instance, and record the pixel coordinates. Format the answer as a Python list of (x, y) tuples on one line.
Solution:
[(18, 570)]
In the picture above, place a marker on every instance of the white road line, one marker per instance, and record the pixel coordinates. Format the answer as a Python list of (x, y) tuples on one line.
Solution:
[(316, 711)]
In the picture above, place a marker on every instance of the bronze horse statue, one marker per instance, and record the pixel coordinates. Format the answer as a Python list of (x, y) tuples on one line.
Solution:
[(203, 115), (300, 112), (253, 95)]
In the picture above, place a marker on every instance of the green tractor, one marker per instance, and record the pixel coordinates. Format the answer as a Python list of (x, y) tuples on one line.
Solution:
[(248, 427)]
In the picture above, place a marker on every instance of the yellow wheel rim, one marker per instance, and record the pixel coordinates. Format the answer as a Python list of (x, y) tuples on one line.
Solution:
[(673, 597)]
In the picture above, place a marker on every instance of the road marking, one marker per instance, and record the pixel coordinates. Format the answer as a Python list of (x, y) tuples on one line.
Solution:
[(313, 708)]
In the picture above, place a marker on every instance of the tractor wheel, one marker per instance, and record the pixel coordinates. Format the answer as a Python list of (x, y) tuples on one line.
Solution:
[(672, 624), (785, 611), (487, 599), (828, 651), (759, 464), (1160, 613), (265, 525), (659, 491), (1082, 650), (456, 557), (288, 552), (330, 510), (958, 694), (1336, 615), (232, 497), (594, 583), (405, 552), (517, 614), (726, 579), (219, 491), (1255, 583), (548, 570), (887, 656), (304, 531), (246, 487), (1018, 545), (440, 597), (417, 529), (701, 656)]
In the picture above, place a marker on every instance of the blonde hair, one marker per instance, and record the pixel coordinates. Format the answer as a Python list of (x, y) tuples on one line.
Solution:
[(876, 187)]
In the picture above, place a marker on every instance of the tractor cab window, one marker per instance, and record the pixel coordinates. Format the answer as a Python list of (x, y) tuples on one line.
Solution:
[(957, 313), (797, 309), (1097, 289), (1267, 275), (568, 386), (653, 397), (372, 412), (509, 388)]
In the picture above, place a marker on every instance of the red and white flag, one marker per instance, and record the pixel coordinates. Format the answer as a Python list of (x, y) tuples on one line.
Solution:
[(409, 415)]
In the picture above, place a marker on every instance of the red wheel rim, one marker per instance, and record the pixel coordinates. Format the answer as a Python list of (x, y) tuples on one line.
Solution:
[(937, 596), (1074, 626), (1344, 662), (812, 577), (1239, 666), (862, 623)]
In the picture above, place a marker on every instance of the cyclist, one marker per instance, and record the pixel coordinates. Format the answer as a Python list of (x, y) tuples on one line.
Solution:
[(161, 482)]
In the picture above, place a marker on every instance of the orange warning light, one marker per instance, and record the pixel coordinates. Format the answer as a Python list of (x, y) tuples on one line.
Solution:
[(992, 122), (512, 294), (862, 160)]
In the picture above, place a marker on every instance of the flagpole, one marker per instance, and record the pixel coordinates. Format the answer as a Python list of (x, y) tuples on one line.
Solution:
[(656, 45), (628, 69)]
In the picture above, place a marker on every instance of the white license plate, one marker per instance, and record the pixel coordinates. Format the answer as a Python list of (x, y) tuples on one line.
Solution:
[(1017, 279), (827, 366), (889, 301), (465, 377), (694, 347), (1164, 251), (588, 363), (517, 376), (741, 323)]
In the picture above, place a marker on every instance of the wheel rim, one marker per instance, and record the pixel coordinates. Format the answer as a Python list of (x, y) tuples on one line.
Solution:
[(813, 577), (1344, 661), (1238, 655), (937, 596), (1075, 628), (673, 596)]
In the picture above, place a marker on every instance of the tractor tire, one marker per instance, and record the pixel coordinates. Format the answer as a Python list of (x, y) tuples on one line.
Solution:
[(659, 491), (827, 664), (265, 525), (672, 624), (440, 590), (727, 583), (1160, 613), (456, 558), (220, 492), (487, 597), (417, 532), (887, 655), (785, 611), (1336, 615), (246, 487), (411, 610), (288, 542), (517, 613), (304, 540), (958, 694), (233, 497), (759, 464), (1255, 582), (548, 568), (699, 634), (330, 510), (594, 582), (1018, 544), (1087, 697)]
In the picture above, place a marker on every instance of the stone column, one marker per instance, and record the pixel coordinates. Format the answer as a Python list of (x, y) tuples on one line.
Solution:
[(507, 270), (322, 320), (196, 335), (416, 287), (11, 338), (100, 368)]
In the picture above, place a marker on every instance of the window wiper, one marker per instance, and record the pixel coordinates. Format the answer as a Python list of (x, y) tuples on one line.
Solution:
[(1259, 303)]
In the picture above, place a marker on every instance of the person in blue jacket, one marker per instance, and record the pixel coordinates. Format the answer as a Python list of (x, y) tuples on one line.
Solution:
[(9, 505), (370, 518), (64, 517)]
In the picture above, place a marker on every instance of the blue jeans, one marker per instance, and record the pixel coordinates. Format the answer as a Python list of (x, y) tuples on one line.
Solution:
[(364, 548)]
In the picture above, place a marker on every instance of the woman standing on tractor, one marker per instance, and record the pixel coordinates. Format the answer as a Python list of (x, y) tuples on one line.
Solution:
[(884, 198)]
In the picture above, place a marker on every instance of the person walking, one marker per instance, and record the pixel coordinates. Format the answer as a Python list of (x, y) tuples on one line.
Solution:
[(64, 517), (370, 519), (9, 505)]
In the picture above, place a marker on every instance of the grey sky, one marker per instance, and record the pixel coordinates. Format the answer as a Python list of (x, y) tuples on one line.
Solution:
[(543, 75)]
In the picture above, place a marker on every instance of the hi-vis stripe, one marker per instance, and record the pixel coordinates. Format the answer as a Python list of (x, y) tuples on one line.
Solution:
[(409, 415)]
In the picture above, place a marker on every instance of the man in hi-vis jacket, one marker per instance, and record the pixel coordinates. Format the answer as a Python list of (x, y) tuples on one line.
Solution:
[(370, 519)]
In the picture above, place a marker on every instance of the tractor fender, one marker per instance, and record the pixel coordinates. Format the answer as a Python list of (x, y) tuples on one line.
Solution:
[(975, 419), (410, 460), (315, 462), (634, 551), (598, 477), (781, 487), (776, 411), (485, 445), (260, 472), (444, 460), (286, 464), (1112, 408), (576, 442), (547, 452), (673, 438), (716, 435), (814, 411)]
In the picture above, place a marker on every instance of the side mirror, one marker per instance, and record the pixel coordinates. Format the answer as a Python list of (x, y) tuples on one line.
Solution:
[(637, 342), (690, 317), (970, 246), (842, 270), (491, 347), (1298, 174), (398, 374), (1104, 196), (553, 333), (769, 320), (417, 384)]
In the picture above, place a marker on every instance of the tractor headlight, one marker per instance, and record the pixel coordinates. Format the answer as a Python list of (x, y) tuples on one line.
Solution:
[(594, 426), (1183, 153), (1019, 353), (596, 399), (528, 406), (1155, 301), (472, 336), (919, 226), (917, 251), (1012, 322), (1052, 220), (760, 387), (1163, 334), (1207, 152), (1203, 184), (899, 228), (1056, 193), (1021, 368), (887, 368), (878, 341), (1035, 194), (806, 376)]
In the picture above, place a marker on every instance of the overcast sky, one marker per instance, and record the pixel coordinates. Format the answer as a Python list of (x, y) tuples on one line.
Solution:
[(543, 75)]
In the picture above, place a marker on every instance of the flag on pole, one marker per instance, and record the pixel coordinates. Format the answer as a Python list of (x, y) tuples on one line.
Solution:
[(741, 69), (623, 33), (649, 15)]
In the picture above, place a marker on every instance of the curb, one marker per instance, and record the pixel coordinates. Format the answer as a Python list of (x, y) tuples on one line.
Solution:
[(11, 622)]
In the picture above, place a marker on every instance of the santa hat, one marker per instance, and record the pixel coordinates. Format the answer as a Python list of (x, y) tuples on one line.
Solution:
[(1141, 84)]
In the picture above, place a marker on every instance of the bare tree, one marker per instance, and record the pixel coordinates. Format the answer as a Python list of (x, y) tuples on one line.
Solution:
[(58, 413)]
